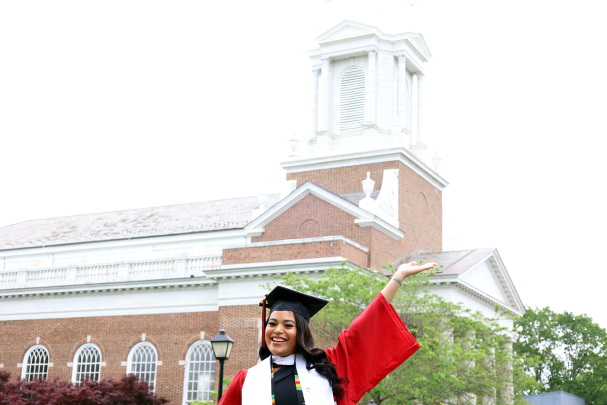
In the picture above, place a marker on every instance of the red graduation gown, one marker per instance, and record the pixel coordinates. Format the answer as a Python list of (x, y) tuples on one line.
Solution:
[(376, 343)]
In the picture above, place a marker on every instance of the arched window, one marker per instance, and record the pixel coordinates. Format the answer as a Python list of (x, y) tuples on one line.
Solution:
[(199, 372), (352, 100), (142, 362), (87, 363), (35, 363)]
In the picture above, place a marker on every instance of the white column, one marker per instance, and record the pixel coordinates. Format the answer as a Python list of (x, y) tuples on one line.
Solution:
[(508, 388), (419, 147), (402, 85), (420, 109), (371, 79), (315, 74), (326, 94)]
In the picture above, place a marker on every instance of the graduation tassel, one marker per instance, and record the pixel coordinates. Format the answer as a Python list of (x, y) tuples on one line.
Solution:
[(263, 321)]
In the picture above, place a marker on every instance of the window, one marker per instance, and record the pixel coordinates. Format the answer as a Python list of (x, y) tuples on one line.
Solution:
[(199, 372), (87, 363), (352, 100), (35, 363), (142, 362)]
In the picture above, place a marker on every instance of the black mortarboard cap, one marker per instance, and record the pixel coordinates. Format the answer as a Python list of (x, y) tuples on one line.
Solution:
[(283, 298)]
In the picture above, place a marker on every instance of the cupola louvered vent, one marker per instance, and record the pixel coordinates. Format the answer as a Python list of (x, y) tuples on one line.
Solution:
[(352, 100)]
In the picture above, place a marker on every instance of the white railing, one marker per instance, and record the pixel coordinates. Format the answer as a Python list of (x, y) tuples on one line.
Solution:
[(200, 264), (109, 272), (97, 271), (44, 276)]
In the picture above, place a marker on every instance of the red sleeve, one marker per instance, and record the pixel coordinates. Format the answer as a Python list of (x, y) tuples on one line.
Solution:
[(376, 343), (233, 394)]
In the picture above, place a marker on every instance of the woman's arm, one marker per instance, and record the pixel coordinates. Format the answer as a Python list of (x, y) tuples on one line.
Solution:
[(404, 271)]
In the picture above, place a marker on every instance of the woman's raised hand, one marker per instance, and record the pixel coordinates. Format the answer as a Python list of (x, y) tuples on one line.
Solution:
[(410, 269), (404, 270)]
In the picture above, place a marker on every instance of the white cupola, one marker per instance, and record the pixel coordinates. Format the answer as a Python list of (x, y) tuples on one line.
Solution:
[(362, 90)]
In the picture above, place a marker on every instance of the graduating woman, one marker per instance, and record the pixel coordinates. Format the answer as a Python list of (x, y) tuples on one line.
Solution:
[(293, 372)]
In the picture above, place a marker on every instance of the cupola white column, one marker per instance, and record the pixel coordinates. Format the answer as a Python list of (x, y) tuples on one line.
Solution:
[(420, 147), (371, 79), (420, 108), (402, 85), (326, 94), (315, 76)]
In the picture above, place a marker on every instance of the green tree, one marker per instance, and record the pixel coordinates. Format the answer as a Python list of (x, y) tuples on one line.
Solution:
[(563, 352), (463, 354)]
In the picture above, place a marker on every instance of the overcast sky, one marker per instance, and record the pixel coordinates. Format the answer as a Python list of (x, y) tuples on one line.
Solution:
[(111, 105)]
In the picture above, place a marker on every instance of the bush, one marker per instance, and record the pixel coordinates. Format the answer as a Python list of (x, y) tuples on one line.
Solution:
[(128, 390)]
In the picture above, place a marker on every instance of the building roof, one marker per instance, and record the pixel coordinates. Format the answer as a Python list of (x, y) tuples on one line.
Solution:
[(454, 262), (136, 223)]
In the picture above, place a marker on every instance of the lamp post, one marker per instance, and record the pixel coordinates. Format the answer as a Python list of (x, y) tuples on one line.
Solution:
[(222, 347)]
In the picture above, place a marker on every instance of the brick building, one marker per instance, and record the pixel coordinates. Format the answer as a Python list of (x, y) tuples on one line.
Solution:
[(119, 292)]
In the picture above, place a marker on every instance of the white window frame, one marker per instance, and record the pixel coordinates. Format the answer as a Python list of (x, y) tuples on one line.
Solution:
[(129, 364), (75, 363), (363, 98), (24, 372), (187, 370)]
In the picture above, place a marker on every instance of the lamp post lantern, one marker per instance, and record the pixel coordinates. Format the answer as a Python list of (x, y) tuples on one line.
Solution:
[(222, 347)]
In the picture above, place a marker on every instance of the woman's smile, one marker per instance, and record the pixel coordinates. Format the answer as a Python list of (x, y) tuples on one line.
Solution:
[(281, 333)]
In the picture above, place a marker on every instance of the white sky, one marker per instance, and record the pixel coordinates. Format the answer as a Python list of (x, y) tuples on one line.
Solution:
[(112, 105)]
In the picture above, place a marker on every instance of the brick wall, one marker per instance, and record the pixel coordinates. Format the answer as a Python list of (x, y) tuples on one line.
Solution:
[(295, 252), (313, 217), (420, 211), (346, 180), (171, 334), (241, 323)]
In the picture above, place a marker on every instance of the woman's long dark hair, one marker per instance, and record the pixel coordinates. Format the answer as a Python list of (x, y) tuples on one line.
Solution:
[(315, 358)]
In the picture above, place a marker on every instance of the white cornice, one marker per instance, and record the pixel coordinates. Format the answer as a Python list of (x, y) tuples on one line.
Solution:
[(298, 241), (140, 241), (367, 157), (317, 265), (454, 281), (134, 310), (509, 285), (105, 287), (414, 42), (381, 225)]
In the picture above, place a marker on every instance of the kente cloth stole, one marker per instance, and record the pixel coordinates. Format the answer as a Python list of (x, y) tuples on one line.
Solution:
[(312, 388)]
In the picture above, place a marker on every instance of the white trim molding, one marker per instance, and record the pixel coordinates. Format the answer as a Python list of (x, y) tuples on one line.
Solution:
[(209, 357), (255, 227), (400, 154), (303, 266), (89, 365), (298, 241), (148, 356), (26, 363), (514, 305)]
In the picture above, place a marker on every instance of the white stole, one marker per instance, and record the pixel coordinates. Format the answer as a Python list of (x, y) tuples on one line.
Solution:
[(257, 388)]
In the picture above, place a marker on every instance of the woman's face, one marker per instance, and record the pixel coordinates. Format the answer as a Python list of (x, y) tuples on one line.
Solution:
[(281, 333)]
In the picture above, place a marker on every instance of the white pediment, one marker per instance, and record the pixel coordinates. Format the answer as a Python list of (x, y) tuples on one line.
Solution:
[(418, 41), (347, 29), (483, 278), (363, 217)]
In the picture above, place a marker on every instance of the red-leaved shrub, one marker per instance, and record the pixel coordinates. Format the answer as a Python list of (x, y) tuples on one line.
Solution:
[(129, 390)]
